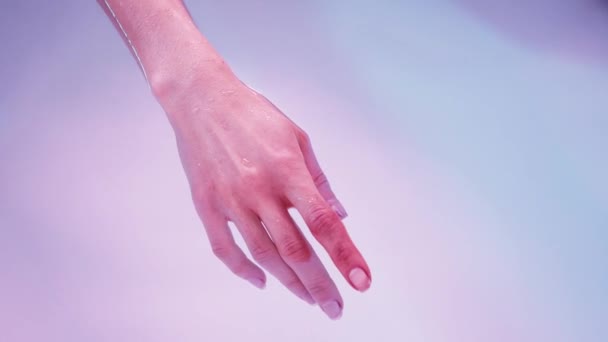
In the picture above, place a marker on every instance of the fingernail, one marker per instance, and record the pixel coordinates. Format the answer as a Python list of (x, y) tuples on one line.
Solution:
[(359, 279), (259, 283), (332, 310), (339, 209)]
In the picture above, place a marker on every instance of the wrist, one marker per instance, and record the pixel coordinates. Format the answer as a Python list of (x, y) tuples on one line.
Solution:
[(166, 43), (189, 89), (181, 57), (192, 68)]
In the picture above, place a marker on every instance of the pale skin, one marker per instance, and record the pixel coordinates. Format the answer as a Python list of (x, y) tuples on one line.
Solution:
[(246, 162)]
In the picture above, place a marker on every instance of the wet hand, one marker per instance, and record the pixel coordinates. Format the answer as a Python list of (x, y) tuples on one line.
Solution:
[(248, 163)]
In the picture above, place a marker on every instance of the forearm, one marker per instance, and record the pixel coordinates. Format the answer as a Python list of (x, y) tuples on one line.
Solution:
[(166, 43)]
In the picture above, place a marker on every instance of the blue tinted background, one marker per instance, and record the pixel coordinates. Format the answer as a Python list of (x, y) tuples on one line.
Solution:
[(467, 139)]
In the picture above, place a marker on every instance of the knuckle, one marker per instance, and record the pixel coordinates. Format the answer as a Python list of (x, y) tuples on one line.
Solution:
[(240, 268), (221, 251), (341, 254), (320, 179), (249, 179), (294, 249), (262, 254), (249, 182), (319, 287), (288, 164), (293, 283), (303, 137), (322, 220)]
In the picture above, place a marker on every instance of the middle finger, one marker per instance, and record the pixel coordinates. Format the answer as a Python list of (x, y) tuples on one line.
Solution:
[(300, 256), (265, 253)]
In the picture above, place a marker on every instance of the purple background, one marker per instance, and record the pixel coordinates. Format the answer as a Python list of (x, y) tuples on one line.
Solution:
[(467, 139)]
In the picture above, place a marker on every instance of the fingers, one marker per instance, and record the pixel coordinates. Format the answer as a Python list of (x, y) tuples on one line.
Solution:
[(265, 253), (299, 255), (225, 248), (328, 229), (318, 176)]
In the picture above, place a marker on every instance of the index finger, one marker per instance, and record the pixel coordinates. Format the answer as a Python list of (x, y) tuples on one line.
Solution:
[(328, 229)]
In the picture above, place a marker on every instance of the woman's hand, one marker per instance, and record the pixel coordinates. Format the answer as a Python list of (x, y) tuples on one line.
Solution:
[(248, 163), (245, 160)]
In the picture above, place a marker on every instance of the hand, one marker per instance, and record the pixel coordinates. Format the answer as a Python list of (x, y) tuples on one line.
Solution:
[(245, 160), (248, 163)]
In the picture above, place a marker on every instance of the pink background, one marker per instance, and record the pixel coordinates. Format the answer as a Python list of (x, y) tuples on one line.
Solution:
[(467, 140)]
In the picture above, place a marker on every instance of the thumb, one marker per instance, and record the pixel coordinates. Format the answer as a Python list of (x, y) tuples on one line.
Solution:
[(319, 177)]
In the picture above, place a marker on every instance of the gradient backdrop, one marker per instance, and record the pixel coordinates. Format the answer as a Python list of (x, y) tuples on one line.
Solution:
[(468, 140)]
